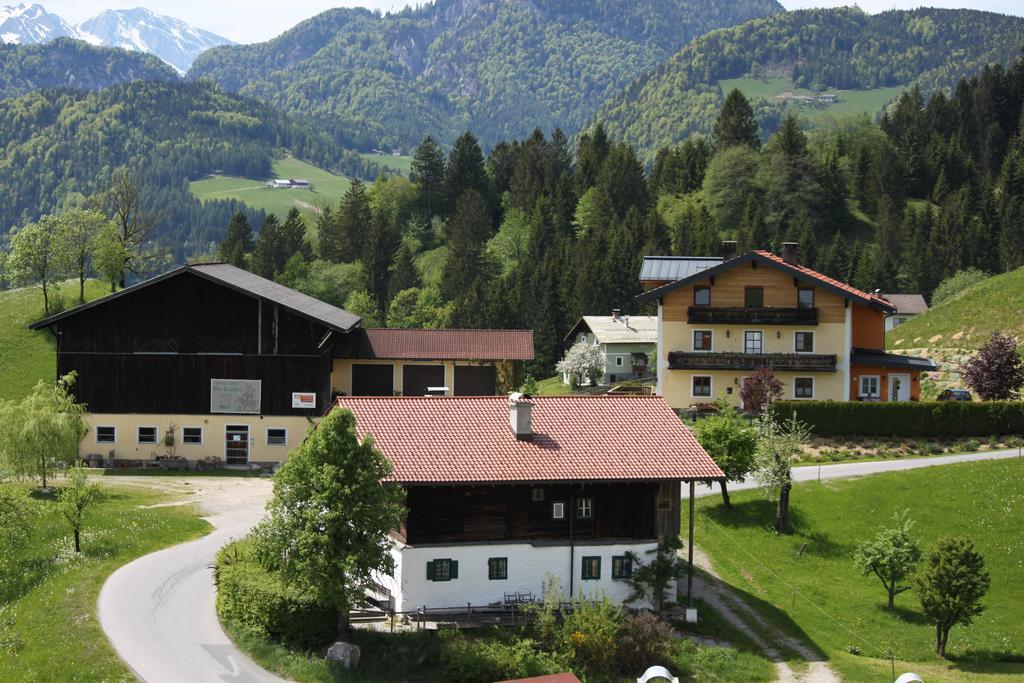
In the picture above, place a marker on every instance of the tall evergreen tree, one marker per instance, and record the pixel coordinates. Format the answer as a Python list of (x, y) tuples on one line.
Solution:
[(404, 274), (354, 219), (736, 124), (465, 168), (427, 172), (468, 228), (379, 250), (593, 150), (266, 253), (623, 181), (237, 242), (752, 233), (293, 238)]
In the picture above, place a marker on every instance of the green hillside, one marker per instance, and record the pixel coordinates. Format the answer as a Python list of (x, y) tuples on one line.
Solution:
[(26, 356), (499, 69), (401, 164), (967, 320), (873, 55), (327, 189), (851, 102)]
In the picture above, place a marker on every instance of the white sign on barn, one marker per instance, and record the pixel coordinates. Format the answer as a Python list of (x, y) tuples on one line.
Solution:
[(235, 396), (303, 399)]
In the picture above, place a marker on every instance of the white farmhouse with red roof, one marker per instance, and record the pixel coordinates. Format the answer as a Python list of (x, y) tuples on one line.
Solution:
[(503, 491)]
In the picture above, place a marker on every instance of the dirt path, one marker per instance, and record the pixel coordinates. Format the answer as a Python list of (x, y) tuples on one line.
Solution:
[(724, 600)]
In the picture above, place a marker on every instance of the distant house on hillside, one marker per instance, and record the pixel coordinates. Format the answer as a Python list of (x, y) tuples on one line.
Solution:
[(300, 183), (828, 98), (289, 184), (627, 343), (907, 306)]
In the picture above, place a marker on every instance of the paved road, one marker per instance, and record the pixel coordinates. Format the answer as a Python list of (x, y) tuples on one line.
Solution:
[(860, 469), (158, 611)]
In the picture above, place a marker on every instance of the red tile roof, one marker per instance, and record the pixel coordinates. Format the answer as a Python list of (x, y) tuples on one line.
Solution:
[(826, 279), (421, 344), (575, 438)]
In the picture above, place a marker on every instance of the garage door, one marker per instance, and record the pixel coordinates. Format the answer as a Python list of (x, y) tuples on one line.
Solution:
[(416, 379), (373, 380), (474, 380)]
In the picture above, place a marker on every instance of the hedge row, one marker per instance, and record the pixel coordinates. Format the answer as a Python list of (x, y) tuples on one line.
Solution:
[(259, 603), (932, 418)]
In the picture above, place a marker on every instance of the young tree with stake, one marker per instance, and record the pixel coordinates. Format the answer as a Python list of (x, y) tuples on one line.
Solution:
[(75, 500), (773, 462), (892, 556), (328, 523)]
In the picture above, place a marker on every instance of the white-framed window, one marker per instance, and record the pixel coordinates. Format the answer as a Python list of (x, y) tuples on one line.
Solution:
[(584, 508), (703, 340), (277, 436), (803, 342), (753, 341), (192, 436), (558, 510), (618, 361), (146, 436), (870, 386), (106, 434), (803, 387), (701, 386)]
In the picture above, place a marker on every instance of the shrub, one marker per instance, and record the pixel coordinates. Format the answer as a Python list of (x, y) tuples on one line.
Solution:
[(956, 283), (915, 419), (643, 641), (469, 659), (259, 603), (589, 634)]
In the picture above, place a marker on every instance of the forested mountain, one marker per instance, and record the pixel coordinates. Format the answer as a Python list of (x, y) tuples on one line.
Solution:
[(60, 145), (68, 63), (819, 49), (498, 67)]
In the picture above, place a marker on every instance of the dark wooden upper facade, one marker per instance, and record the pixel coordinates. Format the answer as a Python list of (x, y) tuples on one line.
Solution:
[(157, 348), (441, 515)]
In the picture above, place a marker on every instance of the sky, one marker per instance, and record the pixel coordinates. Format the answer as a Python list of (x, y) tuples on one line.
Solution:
[(247, 21)]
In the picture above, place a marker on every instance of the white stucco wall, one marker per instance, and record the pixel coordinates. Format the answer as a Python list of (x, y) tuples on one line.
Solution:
[(527, 566)]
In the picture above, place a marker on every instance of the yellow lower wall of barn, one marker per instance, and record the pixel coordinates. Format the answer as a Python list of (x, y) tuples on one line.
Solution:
[(126, 446), (678, 384)]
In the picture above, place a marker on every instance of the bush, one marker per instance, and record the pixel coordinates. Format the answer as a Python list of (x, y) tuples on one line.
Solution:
[(470, 659), (590, 632), (940, 418), (259, 603), (643, 641), (956, 283)]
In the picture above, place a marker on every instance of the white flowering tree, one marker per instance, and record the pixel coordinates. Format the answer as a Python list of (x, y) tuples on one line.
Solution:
[(582, 360)]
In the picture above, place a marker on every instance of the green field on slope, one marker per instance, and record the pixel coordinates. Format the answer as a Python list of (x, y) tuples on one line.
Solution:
[(851, 102), (26, 356), (327, 189), (401, 164), (805, 584)]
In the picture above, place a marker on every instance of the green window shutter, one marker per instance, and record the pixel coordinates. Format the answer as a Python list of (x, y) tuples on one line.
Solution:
[(454, 569), (597, 575), (430, 571)]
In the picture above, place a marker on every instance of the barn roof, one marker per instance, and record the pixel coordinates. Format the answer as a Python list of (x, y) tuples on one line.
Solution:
[(423, 344), (464, 439), (241, 281)]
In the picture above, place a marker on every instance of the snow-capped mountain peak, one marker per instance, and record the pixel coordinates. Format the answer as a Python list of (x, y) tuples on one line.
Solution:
[(140, 29)]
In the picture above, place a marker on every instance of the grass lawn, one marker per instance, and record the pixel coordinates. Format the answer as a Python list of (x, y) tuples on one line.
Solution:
[(984, 501), (327, 189), (552, 386), (26, 356), (400, 164), (49, 630), (851, 102)]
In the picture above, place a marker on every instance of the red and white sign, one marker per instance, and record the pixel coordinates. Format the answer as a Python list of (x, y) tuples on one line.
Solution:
[(303, 399)]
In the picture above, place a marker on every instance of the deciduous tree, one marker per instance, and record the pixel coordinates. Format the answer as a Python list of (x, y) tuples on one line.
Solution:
[(892, 555), (760, 390), (328, 523), (36, 257), (950, 584), (125, 206), (777, 445), (582, 361), (996, 372), (77, 230), (730, 441), (78, 495)]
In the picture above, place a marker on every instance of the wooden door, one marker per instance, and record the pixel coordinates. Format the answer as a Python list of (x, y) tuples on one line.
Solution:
[(236, 444)]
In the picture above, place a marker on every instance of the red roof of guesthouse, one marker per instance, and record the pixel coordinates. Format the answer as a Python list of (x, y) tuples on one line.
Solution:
[(467, 439)]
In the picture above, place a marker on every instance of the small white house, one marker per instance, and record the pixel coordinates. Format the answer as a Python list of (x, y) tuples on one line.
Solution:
[(503, 492), (907, 307), (828, 98), (627, 343)]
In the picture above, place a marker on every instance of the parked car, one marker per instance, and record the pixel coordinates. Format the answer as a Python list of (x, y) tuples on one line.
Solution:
[(955, 395)]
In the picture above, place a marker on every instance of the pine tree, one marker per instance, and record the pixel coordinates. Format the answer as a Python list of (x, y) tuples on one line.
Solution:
[(380, 247), (468, 228), (593, 150), (329, 244), (404, 274), (465, 168), (354, 219), (622, 180), (752, 233), (736, 124), (237, 242), (833, 191), (293, 239), (428, 174), (265, 255), (836, 260), (889, 245)]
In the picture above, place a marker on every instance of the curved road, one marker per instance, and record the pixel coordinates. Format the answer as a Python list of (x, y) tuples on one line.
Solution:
[(158, 611)]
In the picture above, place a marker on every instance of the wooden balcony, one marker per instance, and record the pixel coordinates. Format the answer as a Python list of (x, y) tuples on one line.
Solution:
[(802, 362), (719, 315)]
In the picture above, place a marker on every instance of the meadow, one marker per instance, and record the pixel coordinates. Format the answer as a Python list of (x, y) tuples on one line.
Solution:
[(851, 102), (806, 584)]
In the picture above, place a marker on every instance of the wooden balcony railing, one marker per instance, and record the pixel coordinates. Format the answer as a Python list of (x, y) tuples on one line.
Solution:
[(804, 362), (710, 315)]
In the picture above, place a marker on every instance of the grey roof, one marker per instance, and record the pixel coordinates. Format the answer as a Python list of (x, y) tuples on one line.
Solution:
[(672, 268), (241, 281), (908, 304), (891, 360), (627, 329)]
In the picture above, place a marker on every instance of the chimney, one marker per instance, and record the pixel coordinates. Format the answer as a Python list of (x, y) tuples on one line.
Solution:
[(728, 249), (520, 415), (790, 253), (615, 314)]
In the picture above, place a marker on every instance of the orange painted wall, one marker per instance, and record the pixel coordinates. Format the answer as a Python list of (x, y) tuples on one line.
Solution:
[(857, 370), (868, 327)]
